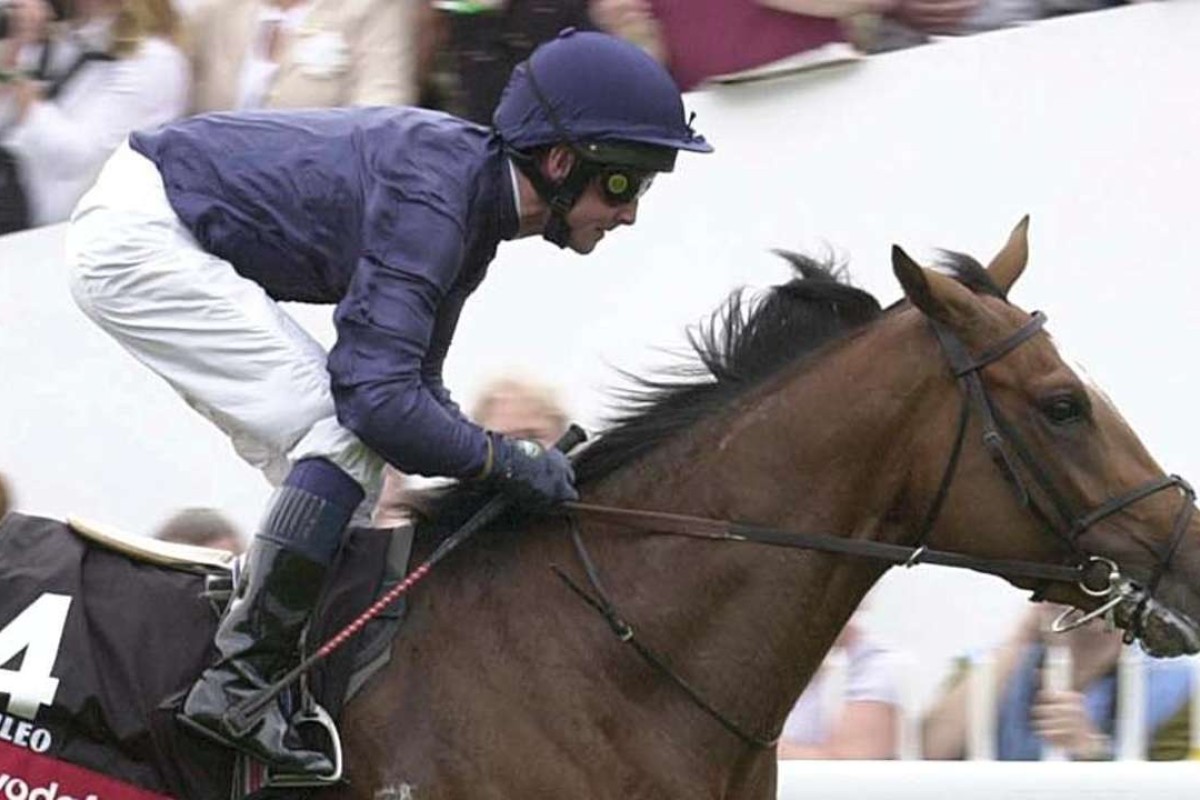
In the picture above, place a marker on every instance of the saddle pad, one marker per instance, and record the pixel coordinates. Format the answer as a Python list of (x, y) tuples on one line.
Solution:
[(98, 645), (174, 555), (24, 773), (91, 642)]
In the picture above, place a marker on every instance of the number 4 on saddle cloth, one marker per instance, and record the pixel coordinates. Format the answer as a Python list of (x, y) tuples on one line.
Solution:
[(101, 635)]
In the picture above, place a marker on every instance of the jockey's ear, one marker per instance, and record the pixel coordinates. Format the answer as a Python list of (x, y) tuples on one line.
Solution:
[(557, 163), (1010, 262), (938, 296)]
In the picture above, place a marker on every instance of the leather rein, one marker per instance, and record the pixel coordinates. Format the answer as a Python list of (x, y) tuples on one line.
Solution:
[(1094, 575)]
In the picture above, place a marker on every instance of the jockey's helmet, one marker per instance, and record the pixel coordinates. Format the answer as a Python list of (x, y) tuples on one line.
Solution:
[(609, 101)]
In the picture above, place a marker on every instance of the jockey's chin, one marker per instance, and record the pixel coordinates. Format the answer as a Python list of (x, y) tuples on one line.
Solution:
[(584, 242)]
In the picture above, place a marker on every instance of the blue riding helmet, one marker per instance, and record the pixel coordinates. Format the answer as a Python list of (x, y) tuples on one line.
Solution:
[(607, 99), (600, 93)]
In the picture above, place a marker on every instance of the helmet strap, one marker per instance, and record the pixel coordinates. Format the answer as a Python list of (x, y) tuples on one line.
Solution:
[(560, 197)]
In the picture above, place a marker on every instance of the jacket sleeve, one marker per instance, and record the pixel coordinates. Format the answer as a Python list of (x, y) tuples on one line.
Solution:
[(435, 357), (385, 330)]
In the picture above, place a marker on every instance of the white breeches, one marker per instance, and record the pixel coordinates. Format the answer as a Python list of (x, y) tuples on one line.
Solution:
[(226, 347)]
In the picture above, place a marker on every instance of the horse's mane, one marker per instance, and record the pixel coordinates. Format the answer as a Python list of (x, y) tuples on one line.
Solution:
[(743, 343)]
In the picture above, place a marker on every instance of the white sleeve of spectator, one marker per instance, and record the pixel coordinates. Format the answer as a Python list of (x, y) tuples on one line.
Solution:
[(873, 674), (386, 58), (75, 134)]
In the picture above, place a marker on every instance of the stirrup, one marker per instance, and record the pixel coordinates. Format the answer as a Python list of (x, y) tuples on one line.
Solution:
[(313, 715)]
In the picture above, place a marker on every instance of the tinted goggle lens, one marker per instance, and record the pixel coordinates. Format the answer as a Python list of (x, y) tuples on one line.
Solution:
[(621, 186)]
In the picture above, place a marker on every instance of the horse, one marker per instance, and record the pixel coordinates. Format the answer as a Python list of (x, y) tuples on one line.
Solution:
[(649, 640), (603, 652)]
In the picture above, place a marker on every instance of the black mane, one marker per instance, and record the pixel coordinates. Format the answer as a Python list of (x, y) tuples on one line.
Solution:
[(742, 344)]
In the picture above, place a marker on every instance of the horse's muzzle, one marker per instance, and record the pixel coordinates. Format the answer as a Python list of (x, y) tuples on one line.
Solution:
[(1163, 632)]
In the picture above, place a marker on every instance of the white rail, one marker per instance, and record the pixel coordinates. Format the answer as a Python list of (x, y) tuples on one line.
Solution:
[(987, 780)]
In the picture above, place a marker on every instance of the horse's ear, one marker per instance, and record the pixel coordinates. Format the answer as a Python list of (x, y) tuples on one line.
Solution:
[(938, 296), (1009, 263)]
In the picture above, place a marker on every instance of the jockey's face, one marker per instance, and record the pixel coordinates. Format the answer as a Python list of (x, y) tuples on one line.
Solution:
[(593, 215), (595, 212)]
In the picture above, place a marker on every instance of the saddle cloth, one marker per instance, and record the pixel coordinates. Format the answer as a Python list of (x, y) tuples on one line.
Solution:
[(97, 646)]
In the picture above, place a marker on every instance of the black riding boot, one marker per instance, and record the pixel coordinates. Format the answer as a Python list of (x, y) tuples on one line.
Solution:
[(257, 642), (258, 637)]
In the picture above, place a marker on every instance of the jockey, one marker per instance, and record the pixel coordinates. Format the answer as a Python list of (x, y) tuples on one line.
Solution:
[(194, 231)]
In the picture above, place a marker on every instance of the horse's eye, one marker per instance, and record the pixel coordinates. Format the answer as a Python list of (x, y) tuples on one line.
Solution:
[(1064, 409)]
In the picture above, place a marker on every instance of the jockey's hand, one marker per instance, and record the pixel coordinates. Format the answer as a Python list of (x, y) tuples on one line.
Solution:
[(529, 473)]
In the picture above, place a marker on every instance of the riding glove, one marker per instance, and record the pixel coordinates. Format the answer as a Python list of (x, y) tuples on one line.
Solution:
[(529, 473)]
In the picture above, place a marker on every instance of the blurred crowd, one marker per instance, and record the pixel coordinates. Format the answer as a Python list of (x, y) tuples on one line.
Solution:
[(77, 76)]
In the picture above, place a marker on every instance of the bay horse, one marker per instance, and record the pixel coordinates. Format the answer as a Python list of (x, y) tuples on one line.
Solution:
[(606, 653), (648, 641)]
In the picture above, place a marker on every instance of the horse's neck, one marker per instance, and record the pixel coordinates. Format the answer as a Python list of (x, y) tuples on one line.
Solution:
[(751, 623)]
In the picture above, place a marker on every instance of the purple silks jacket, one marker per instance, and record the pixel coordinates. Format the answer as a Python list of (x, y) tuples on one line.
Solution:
[(393, 214)]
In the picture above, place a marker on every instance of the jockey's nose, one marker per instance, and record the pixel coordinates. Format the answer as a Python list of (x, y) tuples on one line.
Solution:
[(627, 213)]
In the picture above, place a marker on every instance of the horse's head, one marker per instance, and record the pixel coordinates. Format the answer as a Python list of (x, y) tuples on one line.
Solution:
[(1047, 470)]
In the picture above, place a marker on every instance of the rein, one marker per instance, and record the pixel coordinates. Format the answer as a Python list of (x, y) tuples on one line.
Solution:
[(706, 528), (1094, 575)]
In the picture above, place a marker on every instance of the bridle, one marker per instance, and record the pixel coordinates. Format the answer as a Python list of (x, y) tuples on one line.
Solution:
[(1094, 575), (1008, 449)]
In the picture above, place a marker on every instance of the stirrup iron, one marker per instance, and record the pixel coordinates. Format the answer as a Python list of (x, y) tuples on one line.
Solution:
[(315, 714)]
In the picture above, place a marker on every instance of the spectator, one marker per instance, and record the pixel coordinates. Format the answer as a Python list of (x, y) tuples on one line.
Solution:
[(394, 506), (862, 724), (724, 39), (512, 406), (430, 56), (82, 86), (521, 407), (203, 527), (913, 22), (483, 40), (1080, 721), (633, 20), (303, 53), (186, 9)]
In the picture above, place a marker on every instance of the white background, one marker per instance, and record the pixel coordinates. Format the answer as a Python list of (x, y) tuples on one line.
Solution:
[(1089, 123)]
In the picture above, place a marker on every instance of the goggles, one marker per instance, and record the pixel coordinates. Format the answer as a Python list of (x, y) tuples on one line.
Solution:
[(621, 185)]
